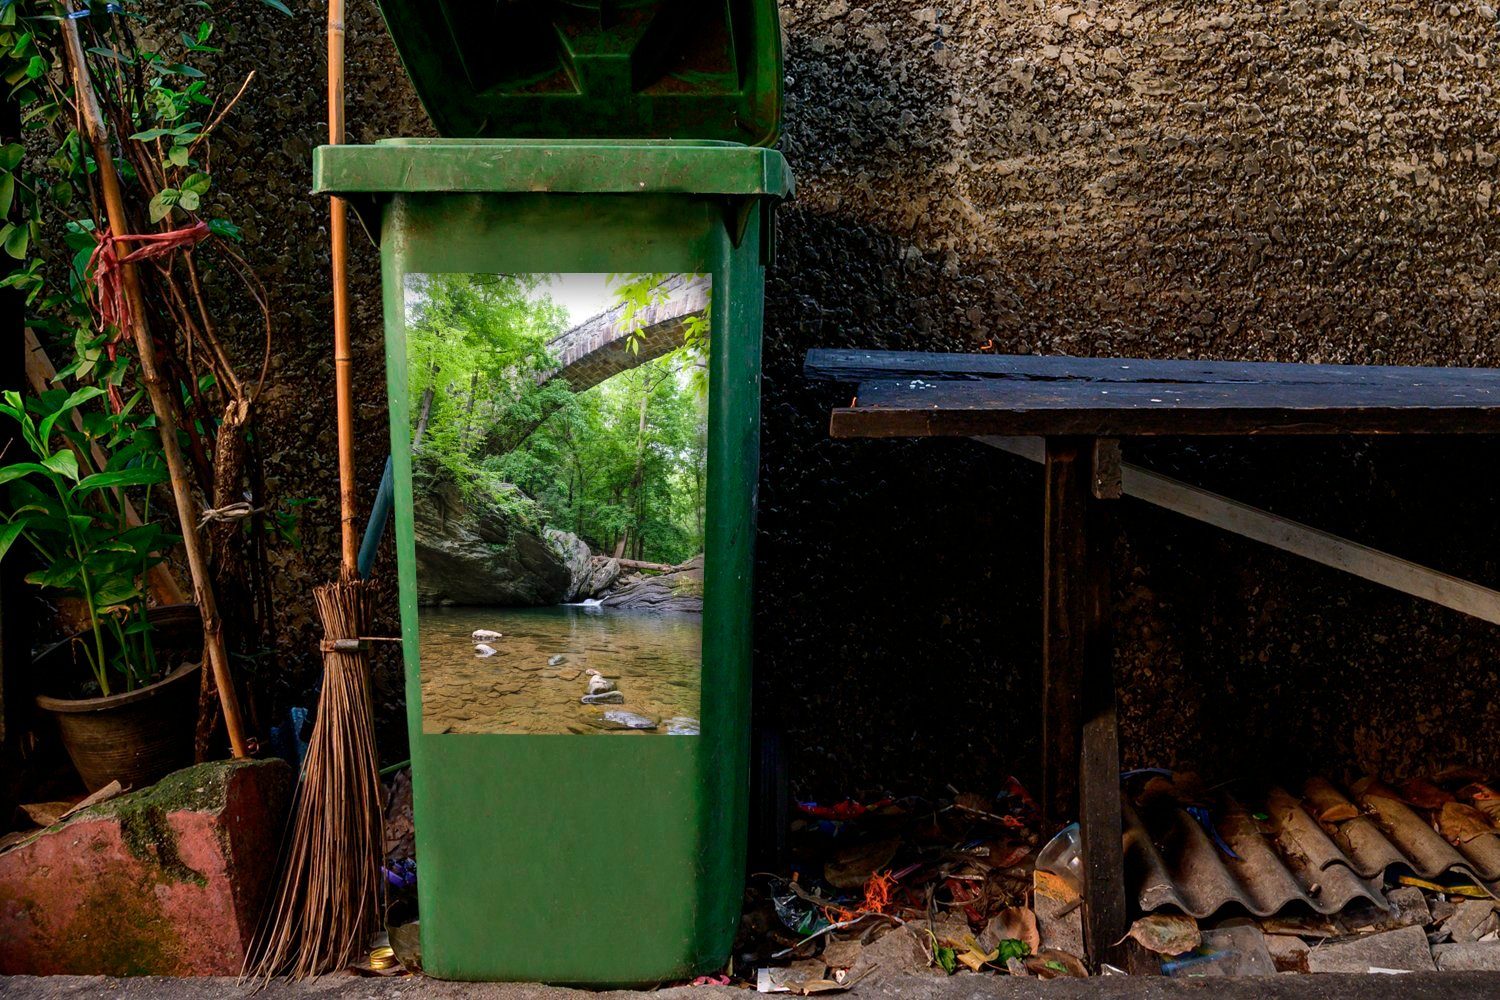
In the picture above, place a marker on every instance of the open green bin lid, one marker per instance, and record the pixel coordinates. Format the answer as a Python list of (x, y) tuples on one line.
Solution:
[(568, 69)]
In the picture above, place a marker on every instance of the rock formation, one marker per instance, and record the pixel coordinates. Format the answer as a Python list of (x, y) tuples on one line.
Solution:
[(471, 550), (677, 591), (591, 575)]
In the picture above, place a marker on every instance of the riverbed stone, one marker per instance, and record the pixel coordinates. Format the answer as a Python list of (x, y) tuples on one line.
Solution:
[(620, 719), (166, 881), (604, 698)]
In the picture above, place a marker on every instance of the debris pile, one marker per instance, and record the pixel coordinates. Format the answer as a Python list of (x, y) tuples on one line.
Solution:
[(1375, 878), (881, 886)]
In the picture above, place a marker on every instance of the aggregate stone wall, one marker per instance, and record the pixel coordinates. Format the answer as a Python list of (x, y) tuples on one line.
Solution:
[(1301, 181)]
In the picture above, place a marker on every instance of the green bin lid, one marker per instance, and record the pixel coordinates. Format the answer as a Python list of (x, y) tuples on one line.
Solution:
[(542, 69)]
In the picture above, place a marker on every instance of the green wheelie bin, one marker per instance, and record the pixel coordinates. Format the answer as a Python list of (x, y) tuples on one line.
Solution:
[(573, 281)]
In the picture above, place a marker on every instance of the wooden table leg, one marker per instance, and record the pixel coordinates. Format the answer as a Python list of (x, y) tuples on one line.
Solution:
[(1081, 759), (1064, 586)]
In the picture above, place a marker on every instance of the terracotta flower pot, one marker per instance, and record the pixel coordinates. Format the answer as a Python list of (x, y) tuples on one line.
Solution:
[(136, 736)]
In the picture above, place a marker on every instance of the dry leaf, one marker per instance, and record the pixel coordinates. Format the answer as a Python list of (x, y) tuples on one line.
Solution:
[(1485, 799), (1424, 794), (1166, 933), (45, 813), (104, 794), (1372, 787), (1326, 804), (1459, 823), (1052, 964), (1016, 923)]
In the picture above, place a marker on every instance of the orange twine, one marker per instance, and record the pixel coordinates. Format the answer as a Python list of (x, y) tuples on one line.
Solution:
[(877, 899)]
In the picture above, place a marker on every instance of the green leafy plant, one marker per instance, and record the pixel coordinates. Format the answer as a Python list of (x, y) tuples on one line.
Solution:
[(80, 526), (159, 85)]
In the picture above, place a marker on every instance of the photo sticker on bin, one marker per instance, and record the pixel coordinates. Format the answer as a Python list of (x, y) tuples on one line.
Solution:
[(559, 479)]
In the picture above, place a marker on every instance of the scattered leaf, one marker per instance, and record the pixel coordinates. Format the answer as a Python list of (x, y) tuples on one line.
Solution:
[(1018, 923), (1166, 933), (1460, 823), (1484, 798), (1424, 794), (45, 813), (1326, 803), (1053, 964)]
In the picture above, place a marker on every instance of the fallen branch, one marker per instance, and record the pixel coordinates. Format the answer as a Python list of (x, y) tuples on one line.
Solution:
[(655, 567)]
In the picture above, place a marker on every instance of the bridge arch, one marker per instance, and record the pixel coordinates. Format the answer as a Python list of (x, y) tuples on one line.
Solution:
[(599, 347)]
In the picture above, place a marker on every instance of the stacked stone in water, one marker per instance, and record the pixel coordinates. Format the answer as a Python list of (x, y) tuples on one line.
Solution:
[(602, 691)]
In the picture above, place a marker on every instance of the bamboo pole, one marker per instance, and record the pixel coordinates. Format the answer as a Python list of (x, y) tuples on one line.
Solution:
[(343, 359), (161, 399), (330, 898)]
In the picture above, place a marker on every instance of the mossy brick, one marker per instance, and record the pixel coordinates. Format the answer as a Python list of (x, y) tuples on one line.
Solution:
[(165, 881)]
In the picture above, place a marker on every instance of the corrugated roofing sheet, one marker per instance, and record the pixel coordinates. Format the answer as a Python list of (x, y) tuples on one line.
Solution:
[(1322, 850)]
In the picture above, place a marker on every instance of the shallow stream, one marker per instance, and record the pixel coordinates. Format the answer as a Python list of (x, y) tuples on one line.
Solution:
[(533, 682)]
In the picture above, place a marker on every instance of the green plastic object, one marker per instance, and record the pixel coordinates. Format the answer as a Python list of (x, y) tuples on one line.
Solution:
[(650, 69), (585, 859)]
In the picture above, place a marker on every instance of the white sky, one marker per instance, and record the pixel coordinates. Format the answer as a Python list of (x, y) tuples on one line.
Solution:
[(582, 295)]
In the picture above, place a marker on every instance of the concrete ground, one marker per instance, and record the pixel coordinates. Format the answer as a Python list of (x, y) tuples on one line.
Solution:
[(1422, 986)]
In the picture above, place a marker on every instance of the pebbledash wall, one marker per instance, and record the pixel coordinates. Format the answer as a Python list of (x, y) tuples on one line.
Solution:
[(1300, 181)]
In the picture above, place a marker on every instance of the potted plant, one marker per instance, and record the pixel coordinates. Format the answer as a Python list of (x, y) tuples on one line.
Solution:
[(120, 689)]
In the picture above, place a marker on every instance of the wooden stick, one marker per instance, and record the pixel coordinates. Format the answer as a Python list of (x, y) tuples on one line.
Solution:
[(1291, 536), (343, 359), (40, 373), (161, 398)]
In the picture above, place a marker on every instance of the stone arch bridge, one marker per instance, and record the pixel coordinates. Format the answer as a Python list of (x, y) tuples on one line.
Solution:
[(599, 347)]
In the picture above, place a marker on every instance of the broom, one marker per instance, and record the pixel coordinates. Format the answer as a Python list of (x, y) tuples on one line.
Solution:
[(329, 900)]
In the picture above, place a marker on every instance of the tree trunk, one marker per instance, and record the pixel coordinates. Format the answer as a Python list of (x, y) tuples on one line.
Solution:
[(416, 439)]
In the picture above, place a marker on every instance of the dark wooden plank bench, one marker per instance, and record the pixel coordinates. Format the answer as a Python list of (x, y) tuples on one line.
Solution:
[(1080, 408)]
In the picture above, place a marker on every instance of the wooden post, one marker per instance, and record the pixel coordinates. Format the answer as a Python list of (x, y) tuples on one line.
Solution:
[(1100, 826), (1080, 738), (1064, 544)]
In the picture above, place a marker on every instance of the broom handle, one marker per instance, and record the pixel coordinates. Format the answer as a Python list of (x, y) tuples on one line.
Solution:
[(161, 401), (343, 360)]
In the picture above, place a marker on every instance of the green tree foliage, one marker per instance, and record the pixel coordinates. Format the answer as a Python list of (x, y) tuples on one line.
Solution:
[(623, 464)]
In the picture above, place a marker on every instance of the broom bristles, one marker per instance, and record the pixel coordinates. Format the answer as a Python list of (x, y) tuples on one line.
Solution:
[(328, 902)]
